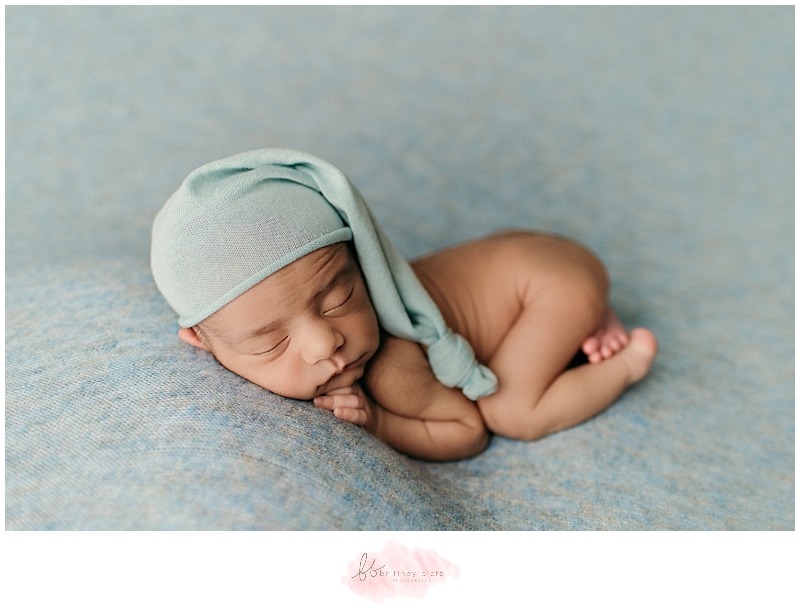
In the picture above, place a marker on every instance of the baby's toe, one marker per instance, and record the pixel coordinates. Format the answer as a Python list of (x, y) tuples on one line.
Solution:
[(591, 346), (595, 358)]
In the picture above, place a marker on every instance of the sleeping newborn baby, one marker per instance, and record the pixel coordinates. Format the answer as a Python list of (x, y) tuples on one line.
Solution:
[(276, 266)]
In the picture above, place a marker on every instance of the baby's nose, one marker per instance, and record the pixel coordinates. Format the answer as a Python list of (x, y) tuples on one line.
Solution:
[(320, 342)]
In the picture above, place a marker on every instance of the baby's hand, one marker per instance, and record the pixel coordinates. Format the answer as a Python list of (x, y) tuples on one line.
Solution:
[(349, 404)]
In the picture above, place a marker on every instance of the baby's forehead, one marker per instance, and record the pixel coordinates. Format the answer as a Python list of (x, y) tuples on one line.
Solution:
[(317, 267)]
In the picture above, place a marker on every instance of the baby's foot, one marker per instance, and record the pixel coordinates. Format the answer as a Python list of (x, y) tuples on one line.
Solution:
[(609, 338), (640, 353)]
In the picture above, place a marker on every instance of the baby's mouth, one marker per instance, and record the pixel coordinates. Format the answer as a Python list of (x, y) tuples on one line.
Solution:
[(351, 365), (336, 381)]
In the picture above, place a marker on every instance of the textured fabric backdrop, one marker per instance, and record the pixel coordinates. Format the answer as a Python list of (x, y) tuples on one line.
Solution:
[(662, 138)]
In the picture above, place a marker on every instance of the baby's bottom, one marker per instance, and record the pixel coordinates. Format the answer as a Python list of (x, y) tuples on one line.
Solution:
[(563, 309)]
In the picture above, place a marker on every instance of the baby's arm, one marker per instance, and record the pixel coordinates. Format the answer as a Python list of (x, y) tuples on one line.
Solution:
[(406, 407)]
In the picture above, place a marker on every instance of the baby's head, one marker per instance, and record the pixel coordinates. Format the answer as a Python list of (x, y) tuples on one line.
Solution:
[(303, 331), (260, 268), (254, 252)]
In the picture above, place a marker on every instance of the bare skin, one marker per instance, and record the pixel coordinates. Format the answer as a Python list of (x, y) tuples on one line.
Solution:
[(526, 302)]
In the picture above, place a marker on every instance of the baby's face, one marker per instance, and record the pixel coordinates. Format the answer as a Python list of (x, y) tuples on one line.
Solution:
[(307, 329)]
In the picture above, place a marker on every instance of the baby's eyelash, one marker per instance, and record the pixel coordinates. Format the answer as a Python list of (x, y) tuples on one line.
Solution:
[(273, 348), (346, 299)]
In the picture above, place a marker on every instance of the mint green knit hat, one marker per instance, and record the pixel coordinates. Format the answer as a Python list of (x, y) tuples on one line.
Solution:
[(235, 221)]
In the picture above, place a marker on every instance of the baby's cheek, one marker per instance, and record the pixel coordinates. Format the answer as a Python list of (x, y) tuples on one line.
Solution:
[(279, 381), (371, 326), (292, 390)]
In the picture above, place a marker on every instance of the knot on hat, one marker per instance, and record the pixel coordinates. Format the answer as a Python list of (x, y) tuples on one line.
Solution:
[(454, 364)]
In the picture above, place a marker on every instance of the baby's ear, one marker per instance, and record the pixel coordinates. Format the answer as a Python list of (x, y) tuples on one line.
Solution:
[(187, 334)]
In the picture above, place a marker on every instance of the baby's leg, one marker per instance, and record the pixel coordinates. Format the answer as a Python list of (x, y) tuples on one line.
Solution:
[(561, 309)]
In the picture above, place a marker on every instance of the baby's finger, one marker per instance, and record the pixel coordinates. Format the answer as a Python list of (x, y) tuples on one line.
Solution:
[(351, 415), (331, 402), (325, 402), (350, 389)]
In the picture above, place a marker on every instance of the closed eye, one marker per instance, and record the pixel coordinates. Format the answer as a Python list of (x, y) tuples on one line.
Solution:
[(275, 348), (346, 299)]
